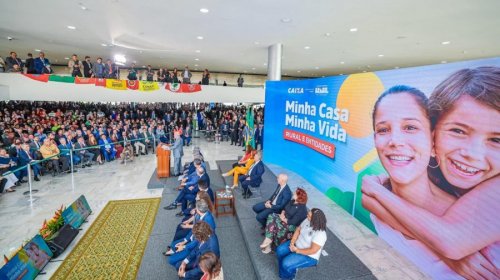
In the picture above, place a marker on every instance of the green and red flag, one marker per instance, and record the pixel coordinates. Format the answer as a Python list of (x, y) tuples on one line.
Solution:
[(38, 77), (62, 79)]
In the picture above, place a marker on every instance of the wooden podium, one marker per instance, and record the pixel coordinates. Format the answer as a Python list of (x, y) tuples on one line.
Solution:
[(162, 162)]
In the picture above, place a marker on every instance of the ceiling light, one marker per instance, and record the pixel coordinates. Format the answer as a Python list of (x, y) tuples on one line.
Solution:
[(253, 68), (265, 64), (316, 67), (306, 47), (196, 65), (197, 51), (354, 29), (341, 74), (67, 58), (327, 34), (380, 55), (9, 38), (396, 67), (204, 10), (120, 59), (444, 61), (199, 37), (286, 20), (143, 66), (342, 62), (364, 71), (104, 45), (256, 43), (445, 43), (37, 50), (298, 71), (83, 8), (71, 27), (197, 59)]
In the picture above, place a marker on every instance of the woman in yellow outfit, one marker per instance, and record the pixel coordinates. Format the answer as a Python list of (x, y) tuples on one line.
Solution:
[(240, 170)]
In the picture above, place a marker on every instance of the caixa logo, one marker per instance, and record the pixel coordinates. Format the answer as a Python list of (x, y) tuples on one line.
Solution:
[(321, 90), (296, 90)]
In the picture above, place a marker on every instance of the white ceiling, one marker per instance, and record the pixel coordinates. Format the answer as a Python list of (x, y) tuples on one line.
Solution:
[(237, 33)]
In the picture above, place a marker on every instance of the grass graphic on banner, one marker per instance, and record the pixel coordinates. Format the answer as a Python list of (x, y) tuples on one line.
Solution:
[(113, 246)]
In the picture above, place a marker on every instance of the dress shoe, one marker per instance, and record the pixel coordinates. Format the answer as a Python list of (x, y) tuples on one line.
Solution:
[(248, 195), (180, 214), (83, 166), (23, 181), (37, 179), (171, 206)]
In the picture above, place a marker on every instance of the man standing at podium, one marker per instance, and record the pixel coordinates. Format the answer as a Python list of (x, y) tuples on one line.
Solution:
[(178, 153)]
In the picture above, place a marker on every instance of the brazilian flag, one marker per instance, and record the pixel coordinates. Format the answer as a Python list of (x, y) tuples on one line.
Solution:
[(250, 131)]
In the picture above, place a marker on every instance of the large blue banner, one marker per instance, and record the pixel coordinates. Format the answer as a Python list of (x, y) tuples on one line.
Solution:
[(429, 147)]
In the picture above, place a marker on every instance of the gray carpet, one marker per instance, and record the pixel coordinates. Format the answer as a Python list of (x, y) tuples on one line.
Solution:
[(340, 263), (234, 254)]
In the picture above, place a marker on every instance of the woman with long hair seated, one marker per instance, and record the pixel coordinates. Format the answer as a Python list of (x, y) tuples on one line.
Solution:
[(211, 266), (280, 227), (240, 170), (305, 247), (245, 158)]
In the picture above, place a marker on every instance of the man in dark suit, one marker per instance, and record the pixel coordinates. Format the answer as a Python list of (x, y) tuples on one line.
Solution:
[(276, 203), (25, 158), (177, 152), (254, 176), (84, 154), (189, 189)]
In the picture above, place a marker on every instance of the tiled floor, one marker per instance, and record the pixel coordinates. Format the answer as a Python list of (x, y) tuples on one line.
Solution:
[(21, 219)]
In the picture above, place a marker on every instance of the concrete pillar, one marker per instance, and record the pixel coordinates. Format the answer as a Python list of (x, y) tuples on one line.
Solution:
[(274, 53)]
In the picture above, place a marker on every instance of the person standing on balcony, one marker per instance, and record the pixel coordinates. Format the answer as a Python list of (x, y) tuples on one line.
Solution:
[(206, 77), (13, 63), (98, 69), (75, 66), (87, 67), (186, 75), (240, 81), (42, 64), (30, 64)]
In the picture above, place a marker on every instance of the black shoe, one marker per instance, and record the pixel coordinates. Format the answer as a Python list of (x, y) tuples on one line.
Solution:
[(54, 174), (23, 181), (143, 154), (17, 184), (89, 164), (180, 214), (83, 166), (248, 195), (171, 206), (37, 179)]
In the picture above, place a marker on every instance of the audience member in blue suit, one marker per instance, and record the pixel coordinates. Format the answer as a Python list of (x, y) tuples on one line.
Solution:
[(25, 157), (107, 148), (181, 247), (207, 241), (254, 176), (189, 189), (66, 148), (276, 203)]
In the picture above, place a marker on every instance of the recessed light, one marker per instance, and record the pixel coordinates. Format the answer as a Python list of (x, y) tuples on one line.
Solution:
[(104, 45), (286, 20), (196, 65), (444, 61), (204, 10), (253, 68), (9, 38), (83, 8), (197, 51), (380, 55), (256, 43), (316, 67), (327, 34), (37, 50), (67, 58), (265, 64), (298, 71), (306, 47), (197, 59), (364, 71), (445, 43), (396, 67), (199, 37), (71, 27), (354, 29), (341, 74), (342, 62)]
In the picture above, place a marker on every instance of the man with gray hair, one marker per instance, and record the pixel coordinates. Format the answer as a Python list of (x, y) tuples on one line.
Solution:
[(276, 203)]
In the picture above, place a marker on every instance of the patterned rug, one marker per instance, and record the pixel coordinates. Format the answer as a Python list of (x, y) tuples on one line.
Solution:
[(113, 246)]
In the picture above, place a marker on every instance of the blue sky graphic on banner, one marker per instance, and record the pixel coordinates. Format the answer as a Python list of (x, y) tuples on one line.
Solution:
[(322, 129)]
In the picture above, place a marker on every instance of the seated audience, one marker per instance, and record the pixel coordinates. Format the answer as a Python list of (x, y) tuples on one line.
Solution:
[(5, 165), (107, 148), (95, 150), (84, 154), (26, 158), (189, 189), (206, 242), (189, 212), (248, 155), (253, 177), (137, 143), (127, 151), (276, 203), (240, 170), (305, 247), (50, 150), (280, 227), (211, 267)]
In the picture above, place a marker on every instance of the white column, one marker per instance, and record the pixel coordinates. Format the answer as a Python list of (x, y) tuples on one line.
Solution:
[(274, 53)]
